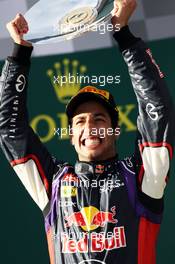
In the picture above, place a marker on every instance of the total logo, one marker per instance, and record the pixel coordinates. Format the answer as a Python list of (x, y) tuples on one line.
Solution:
[(89, 219)]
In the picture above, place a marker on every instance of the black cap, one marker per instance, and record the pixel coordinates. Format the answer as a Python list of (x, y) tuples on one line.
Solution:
[(92, 93)]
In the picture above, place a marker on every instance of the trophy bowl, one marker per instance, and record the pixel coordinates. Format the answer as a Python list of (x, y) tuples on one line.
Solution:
[(58, 20)]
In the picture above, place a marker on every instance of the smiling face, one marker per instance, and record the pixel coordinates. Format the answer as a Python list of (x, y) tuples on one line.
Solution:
[(92, 134)]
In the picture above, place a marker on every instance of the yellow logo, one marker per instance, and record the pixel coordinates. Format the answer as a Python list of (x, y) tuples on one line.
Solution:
[(89, 213), (60, 77), (68, 191)]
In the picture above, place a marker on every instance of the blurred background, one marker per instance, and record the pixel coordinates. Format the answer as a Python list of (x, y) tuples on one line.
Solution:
[(22, 237)]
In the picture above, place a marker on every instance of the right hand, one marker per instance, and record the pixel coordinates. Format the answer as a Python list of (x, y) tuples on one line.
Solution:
[(123, 9), (17, 28)]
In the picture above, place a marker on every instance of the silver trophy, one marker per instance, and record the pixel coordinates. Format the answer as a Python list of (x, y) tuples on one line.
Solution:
[(57, 20)]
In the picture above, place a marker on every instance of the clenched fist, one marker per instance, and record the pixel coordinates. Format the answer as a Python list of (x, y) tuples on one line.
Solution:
[(17, 28), (123, 9)]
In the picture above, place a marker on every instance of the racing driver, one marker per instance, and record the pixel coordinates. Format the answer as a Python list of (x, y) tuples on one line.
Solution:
[(102, 209)]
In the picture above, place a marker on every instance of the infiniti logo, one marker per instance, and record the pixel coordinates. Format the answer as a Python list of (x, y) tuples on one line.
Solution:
[(20, 83), (151, 111)]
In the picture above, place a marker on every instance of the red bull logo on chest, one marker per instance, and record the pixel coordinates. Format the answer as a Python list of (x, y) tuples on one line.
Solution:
[(89, 219)]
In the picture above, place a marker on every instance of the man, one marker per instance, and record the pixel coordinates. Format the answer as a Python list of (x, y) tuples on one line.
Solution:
[(102, 210)]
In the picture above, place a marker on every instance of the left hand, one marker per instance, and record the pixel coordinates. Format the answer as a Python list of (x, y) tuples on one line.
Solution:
[(17, 28), (123, 9)]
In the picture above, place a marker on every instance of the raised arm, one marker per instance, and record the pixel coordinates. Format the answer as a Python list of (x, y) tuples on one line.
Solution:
[(23, 149), (154, 146)]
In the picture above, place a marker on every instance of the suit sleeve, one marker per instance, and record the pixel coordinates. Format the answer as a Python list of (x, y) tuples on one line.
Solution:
[(21, 146), (155, 122)]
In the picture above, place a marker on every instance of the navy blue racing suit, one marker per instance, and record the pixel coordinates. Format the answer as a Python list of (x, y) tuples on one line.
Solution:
[(95, 212)]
